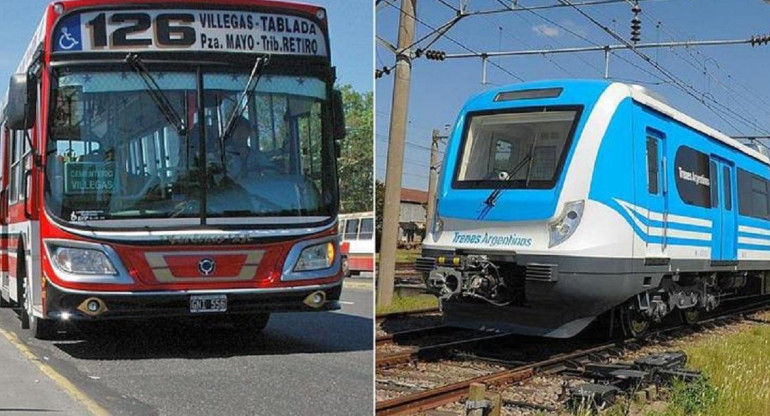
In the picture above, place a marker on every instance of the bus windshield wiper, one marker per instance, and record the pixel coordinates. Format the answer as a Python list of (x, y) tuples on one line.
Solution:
[(156, 93), (245, 98)]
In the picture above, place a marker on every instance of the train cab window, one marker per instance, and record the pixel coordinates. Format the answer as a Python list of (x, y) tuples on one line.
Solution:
[(727, 188), (652, 165), (351, 229), (519, 150), (367, 229), (753, 195)]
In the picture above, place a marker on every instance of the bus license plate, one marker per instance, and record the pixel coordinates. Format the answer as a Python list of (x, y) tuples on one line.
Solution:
[(208, 303)]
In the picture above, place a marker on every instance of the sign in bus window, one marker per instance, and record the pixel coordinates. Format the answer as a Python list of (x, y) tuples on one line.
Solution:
[(88, 177)]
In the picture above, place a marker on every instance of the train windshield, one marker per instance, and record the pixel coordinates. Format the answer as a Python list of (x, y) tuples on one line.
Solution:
[(113, 154), (515, 150)]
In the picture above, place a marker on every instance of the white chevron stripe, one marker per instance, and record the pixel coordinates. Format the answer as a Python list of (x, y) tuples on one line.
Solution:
[(753, 230), (755, 241), (657, 216), (657, 231)]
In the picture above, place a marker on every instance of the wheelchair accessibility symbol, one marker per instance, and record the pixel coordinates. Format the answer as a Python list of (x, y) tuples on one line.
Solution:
[(66, 41)]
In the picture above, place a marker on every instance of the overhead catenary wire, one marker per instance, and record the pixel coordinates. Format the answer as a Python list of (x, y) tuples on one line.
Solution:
[(749, 96), (683, 86), (456, 42)]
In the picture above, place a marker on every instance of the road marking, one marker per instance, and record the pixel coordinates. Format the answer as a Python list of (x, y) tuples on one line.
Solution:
[(344, 302), (57, 378)]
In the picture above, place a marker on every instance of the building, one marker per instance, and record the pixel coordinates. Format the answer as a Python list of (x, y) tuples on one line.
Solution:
[(411, 229)]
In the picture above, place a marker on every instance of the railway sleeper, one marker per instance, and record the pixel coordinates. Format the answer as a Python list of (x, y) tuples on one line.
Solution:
[(608, 381)]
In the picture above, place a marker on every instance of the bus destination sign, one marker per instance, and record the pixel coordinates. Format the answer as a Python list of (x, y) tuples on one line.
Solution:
[(189, 30)]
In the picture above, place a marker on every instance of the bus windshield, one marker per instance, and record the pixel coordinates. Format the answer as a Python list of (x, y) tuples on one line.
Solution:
[(112, 154)]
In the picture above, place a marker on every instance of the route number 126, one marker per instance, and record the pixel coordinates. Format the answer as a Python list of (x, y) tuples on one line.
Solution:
[(133, 30)]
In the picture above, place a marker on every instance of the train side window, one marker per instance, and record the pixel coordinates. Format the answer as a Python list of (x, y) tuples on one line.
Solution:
[(727, 188), (753, 195), (714, 185), (759, 197), (652, 165)]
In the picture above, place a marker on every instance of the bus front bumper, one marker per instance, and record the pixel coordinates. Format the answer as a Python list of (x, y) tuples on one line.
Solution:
[(65, 304)]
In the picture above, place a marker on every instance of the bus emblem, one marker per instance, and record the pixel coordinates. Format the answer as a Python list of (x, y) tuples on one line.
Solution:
[(206, 266)]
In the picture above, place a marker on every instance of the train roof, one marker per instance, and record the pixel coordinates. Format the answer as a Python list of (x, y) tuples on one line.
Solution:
[(593, 88)]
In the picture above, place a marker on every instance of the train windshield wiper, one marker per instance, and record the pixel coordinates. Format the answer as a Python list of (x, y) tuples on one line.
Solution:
[(156, 93), (495, 194), (527, 161)]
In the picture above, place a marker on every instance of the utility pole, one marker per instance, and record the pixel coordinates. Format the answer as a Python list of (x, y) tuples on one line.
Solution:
[(433, 178), (395, 166)]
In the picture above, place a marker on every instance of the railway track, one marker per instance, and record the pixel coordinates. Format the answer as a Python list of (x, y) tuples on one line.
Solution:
[(433, 351), (407, 314), (431, 398), (410, 334)]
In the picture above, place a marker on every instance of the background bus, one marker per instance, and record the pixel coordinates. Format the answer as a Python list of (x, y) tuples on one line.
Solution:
[(357, 246)]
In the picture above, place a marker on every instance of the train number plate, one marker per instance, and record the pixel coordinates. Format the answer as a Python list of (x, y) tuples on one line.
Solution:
[(208, 303)]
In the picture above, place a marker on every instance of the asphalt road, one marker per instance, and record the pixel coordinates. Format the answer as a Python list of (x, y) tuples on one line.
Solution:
[(303, 363)]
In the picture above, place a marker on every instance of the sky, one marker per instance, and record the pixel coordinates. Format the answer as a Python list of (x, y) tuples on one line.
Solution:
[(734, 76), (350, 23)]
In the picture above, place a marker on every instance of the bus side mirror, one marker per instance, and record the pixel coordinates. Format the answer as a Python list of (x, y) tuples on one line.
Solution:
[(22, 99), (339, 115)]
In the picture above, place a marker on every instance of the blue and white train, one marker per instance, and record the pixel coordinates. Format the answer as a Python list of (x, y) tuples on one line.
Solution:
[(563, 201)]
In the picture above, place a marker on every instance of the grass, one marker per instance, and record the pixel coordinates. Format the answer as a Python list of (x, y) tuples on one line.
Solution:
[(403, 255), (407, 256), (409, 303), (737, 376)]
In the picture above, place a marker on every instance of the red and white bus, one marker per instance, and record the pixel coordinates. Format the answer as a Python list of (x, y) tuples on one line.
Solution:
[(171, 158), (357, 247)]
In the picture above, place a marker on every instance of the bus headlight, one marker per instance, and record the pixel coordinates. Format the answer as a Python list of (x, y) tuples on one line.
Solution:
[(82, 261), (566, 224), (317, 257)]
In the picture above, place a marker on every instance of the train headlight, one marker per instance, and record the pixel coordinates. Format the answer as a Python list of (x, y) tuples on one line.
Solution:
[(317, 257), (567, 223), (82, 261)]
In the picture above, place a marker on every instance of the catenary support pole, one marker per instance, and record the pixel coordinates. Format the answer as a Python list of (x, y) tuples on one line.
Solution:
[(432, 180), (395, 164)]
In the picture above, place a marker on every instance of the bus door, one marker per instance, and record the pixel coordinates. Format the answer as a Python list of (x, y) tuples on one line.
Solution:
[(657, 194), (724, 241)]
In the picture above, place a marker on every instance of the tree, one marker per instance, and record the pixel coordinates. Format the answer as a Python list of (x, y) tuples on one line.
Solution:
[(357, 149)]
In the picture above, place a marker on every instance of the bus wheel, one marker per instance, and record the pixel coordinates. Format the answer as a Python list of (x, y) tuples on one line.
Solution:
[(5, 303), (41, 328), (345, 267), (250, 322)]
